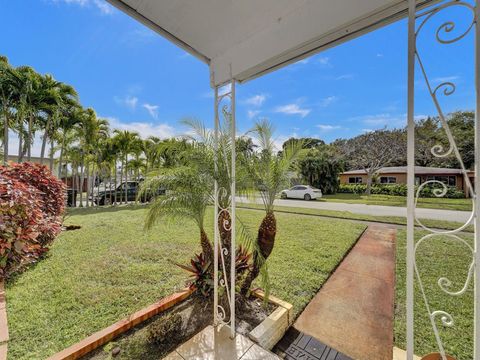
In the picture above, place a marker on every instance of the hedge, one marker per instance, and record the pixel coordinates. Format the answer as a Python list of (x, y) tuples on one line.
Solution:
[(399, 190)]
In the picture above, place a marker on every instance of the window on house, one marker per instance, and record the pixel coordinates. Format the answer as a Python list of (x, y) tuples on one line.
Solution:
[(355, 180), (447, 180), (388, 180)]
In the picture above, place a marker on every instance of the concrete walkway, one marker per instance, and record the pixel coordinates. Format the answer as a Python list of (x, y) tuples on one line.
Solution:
[(353, 312), (374, 210)]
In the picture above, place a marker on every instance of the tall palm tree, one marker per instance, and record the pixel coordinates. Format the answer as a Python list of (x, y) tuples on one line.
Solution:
[(58, 103), (100, 132), (67, 130), (269, 171), (5, 102), (125, 141)]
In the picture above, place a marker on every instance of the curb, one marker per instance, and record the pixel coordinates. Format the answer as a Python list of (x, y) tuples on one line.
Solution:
[(103, 336)]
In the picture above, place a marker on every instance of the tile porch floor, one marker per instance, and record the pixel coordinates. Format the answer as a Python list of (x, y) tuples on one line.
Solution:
[(215, 344)]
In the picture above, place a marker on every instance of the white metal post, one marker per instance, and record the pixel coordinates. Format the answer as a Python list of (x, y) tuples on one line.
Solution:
[(476, 346), (215, 216), (233, 193), (410, 178)]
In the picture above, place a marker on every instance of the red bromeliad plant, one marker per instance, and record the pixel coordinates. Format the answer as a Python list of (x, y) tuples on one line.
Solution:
[(201, 276), (31, 206)]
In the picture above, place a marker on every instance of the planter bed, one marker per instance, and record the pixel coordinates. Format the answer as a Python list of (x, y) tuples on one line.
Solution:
[(155, 331)]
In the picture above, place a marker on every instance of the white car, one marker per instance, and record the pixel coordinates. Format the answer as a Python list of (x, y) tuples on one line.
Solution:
[(305, 192)]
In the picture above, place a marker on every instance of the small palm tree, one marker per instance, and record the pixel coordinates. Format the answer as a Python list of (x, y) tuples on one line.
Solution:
[(269, 172), (188, 196)]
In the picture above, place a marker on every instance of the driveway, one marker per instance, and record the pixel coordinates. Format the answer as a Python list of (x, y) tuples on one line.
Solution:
[(374, 210)]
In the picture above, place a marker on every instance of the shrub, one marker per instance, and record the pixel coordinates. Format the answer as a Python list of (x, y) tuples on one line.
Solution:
[(400, 190), (30, 214), (201, 270)]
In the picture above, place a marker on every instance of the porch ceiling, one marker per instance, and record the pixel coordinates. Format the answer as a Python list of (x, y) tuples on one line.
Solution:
[(244, 39)]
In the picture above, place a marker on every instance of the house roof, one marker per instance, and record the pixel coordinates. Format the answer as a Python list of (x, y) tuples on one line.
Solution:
[(247, 38), (419, 170)]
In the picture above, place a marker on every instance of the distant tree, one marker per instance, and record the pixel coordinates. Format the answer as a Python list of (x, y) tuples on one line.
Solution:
[(308, 143), (321, 167), (245, 146), (373, 150), (430, 132), (462, 125), (426, 137)]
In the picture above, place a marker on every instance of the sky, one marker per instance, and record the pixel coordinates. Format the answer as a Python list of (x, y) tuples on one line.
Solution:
[(142, 82)]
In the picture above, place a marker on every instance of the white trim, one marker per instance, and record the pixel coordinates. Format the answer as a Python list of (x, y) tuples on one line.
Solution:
[(233, 214), (476, 346), (215, 217), (411, 179)]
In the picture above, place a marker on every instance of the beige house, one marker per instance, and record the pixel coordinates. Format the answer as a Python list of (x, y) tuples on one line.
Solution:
[(37, 160), (398, 175)]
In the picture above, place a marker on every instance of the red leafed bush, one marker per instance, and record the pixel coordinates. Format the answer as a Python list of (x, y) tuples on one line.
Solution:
[(39, 176), (30, 214)]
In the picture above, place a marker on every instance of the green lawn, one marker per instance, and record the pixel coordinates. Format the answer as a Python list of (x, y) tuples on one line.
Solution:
[(110, 268), (395, 220), (440, 257), (388, 200)]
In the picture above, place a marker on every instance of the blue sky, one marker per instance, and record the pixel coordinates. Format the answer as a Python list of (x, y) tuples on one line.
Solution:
[(142, 82)]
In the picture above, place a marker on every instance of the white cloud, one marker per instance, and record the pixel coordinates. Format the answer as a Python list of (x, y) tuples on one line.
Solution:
[(442, 79), (325, 61), (379, 55), (256, 100), (328, 101), (303, 61), (252, 113), (101, 5), (36, 147), (104, 7), (345, 77), (185, 55), (385, 120), (128, 101), (292, 109), (326, 127), (145, 129), (152, 110)]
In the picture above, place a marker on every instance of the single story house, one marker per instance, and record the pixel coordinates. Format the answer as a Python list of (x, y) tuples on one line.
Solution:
[(398, 175)]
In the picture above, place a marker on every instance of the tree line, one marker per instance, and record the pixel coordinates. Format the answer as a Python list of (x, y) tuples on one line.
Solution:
[(31, 104), (89, 150)]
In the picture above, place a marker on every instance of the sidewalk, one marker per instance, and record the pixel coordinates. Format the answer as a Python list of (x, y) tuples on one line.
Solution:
[(353, 312)]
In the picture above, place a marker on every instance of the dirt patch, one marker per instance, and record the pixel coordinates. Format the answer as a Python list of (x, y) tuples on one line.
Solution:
[(190, 316), (72, 227), (251, 313)]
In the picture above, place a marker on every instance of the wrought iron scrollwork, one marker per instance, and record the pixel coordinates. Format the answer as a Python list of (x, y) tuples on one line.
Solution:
[(445, 88), (224, 221)]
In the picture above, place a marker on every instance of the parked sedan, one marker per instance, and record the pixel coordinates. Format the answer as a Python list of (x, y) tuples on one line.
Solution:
[(107, 197), (305, 192)]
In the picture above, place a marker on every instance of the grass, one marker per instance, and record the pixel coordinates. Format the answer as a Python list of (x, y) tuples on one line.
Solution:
[(395, 220), (389, 200), (110, 268), (439, 257)]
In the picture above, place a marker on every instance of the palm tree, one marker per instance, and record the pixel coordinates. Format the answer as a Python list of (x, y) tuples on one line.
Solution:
[(190, 193), (5, 102), (268, 171), (125, 141), (58, 103)]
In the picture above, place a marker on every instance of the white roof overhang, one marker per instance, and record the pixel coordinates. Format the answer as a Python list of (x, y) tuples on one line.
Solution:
[(244, 39)]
